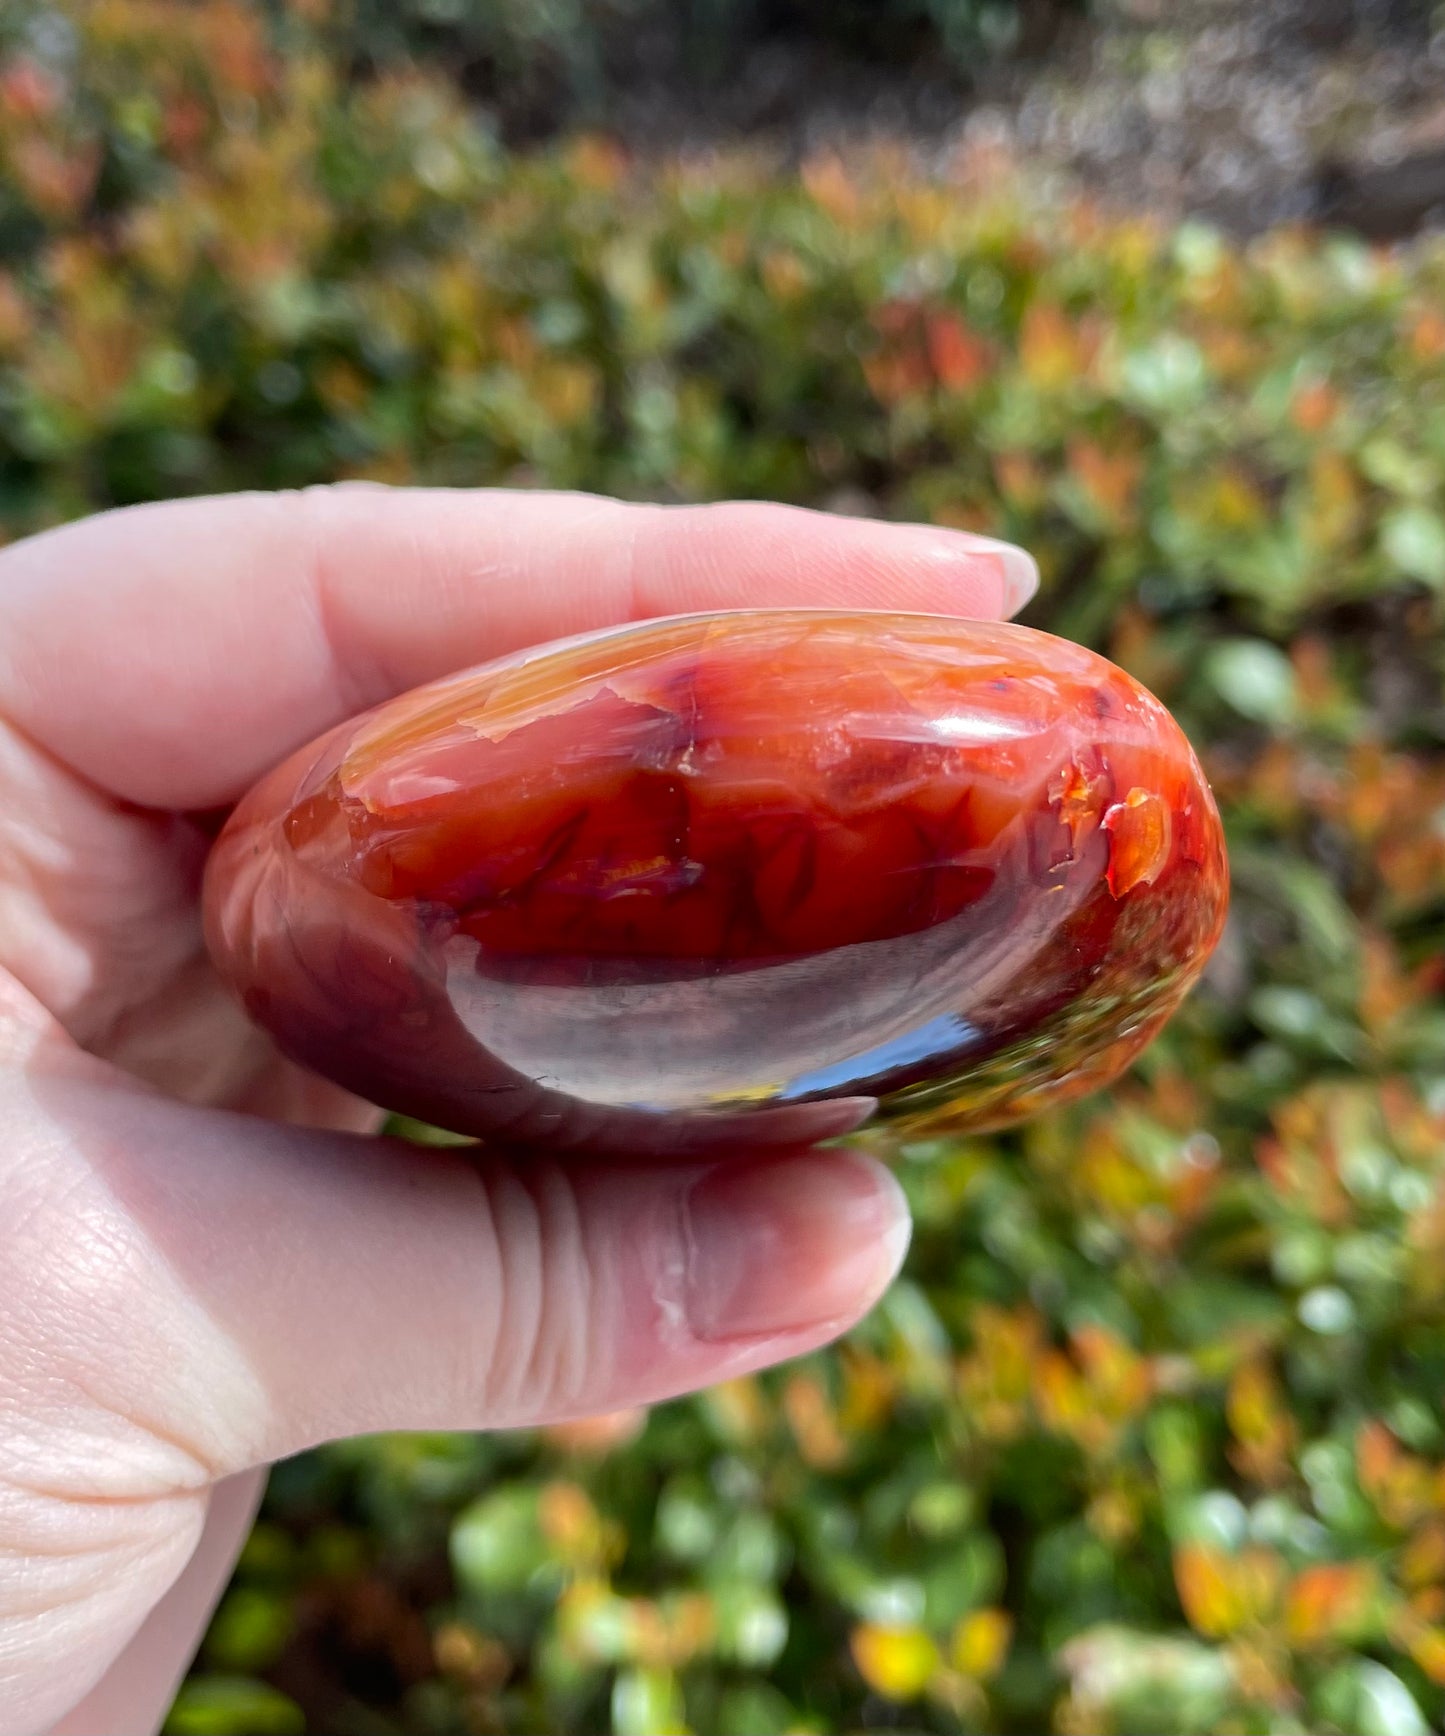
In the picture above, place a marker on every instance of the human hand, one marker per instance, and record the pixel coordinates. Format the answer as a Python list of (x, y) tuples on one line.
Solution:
[(205, 1265)]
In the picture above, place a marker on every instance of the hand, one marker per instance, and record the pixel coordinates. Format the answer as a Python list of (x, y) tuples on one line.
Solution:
[(205, 1262)]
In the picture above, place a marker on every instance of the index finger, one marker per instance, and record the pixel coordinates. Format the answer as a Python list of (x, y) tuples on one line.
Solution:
[(172, 653)]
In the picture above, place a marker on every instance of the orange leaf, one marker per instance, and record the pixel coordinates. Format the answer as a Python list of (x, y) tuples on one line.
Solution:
[(828, 185), (1020, 479), (1223, 1593), (959, 358), (1109, 478), (1259, 1421), (1428, 1651), (1422, 1561), (1061, 1396), (597, 162), (1315, 406), (814, 1422), (1211, 1604), (1050, 347), (1427, 336), (1328, 1601)]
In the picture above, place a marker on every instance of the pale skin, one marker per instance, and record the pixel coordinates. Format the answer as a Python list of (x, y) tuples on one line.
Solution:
[(208, 1260)]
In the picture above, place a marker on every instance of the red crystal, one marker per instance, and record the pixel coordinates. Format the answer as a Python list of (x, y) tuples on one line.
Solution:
[(685, 883)]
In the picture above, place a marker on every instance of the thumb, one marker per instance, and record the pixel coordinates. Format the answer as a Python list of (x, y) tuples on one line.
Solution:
[(349, 1285)]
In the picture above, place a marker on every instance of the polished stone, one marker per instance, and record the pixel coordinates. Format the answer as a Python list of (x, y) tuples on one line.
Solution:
[(691, 883)]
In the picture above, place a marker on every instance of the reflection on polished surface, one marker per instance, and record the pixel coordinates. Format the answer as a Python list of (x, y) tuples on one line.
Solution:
[(687, 882)]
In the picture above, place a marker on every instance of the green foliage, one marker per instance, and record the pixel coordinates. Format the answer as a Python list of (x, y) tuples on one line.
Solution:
[(221, 1705), (1150, 1435)]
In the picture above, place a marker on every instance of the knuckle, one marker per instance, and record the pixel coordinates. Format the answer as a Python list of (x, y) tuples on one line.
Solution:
[(548, 1351)]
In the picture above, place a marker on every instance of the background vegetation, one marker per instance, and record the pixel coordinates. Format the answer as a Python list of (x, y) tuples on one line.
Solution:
[(1150, 1436)]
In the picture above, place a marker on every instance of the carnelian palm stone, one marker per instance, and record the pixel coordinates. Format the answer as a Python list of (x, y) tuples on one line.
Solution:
[(728, 879)]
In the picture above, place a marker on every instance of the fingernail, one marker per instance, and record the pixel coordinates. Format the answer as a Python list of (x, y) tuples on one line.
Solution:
[(1020, 570), (791, 1243)]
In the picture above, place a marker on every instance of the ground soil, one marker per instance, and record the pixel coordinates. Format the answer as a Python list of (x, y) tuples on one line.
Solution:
[(1246, 112)]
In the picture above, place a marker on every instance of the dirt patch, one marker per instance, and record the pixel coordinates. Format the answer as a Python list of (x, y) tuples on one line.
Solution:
[(1250, 114), (1246, 112)]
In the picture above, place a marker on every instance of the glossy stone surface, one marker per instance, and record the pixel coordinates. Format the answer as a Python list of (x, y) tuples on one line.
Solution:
[(690, 883)]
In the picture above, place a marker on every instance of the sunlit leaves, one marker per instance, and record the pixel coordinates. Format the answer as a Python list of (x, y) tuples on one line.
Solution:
[(1150, 1435), (897, 1662)]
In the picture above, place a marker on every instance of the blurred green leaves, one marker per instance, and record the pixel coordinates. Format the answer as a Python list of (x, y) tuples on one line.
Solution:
[(1150, 1434), (225, 1706), (1414, 539)]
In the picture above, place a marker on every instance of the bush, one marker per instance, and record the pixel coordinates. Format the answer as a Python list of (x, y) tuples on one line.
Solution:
[(1150, 1436)]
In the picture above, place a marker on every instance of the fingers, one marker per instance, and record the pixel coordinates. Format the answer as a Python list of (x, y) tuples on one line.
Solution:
[(172, 653), (345, 1285)]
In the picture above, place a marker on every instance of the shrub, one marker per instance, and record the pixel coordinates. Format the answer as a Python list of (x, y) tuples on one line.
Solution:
[(1150, 1435)]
